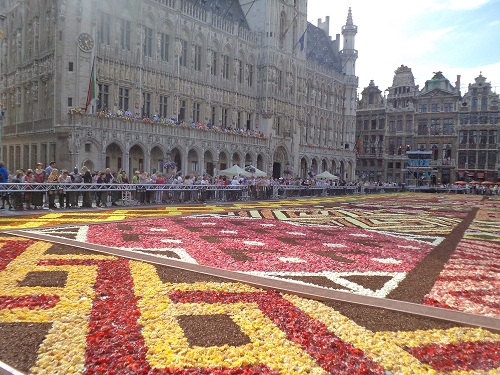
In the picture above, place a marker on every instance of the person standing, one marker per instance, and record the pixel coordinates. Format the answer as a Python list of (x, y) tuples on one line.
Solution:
[(87, 179), (17, 198), (28, 196), (39, 178), (76, 178), (159, 180), (111, 179), (4, 178), (64, 179), (53, 178), (49, 169), (101, 195)]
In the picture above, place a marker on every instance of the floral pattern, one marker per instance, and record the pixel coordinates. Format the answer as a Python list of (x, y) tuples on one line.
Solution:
[(113, 315), (117, 316), (470, 280)]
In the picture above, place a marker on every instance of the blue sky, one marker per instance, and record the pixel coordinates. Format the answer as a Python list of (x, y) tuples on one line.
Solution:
[(457, 37)]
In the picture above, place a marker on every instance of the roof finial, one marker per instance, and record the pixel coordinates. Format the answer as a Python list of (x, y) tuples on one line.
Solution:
[(349, 17)]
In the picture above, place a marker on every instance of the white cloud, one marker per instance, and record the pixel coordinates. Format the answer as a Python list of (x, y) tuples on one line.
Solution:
[(457, 4), (391, 33)]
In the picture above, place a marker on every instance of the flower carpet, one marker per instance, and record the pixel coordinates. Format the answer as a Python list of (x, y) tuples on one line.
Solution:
[(66, 308)]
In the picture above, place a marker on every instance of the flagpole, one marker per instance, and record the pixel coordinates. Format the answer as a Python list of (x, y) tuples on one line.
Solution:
[(92, 77), (91, 90), (301, 41), (290, 24)]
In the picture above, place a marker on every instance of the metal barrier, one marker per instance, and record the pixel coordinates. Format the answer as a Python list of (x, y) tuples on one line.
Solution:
[(132, 194)]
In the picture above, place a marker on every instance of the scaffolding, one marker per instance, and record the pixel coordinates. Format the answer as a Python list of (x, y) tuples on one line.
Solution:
[(419, 170)]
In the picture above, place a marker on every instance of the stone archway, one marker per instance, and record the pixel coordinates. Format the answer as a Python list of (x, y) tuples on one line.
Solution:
[(157, 160), (314, 167), (136, 159), (223, 161), (333, 168), (324, 166), (176, 156), (260, 162), (89, 164), (342, 170), (349, 171), (236, 160), (193, 167), (248, 161), (209, 163), (114, 157), (303, 168), (280, 158)]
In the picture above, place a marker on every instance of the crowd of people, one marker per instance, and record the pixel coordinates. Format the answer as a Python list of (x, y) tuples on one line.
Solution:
[(156, 119), (181, 188), (481, 188), (60, 197)]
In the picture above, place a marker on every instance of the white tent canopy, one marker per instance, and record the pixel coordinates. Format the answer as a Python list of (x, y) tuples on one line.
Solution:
[(327, 176), (255, 172), (235, 170)]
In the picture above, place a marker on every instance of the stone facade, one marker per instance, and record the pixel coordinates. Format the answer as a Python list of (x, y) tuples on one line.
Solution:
[(246, 81), (478, 132), (461, 132)]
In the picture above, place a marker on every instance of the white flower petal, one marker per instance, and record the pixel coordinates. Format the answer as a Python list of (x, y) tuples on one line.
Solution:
[(291, 260)]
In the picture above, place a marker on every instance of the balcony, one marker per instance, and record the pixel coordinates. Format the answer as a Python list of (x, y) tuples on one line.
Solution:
[(129, 125), (443, 163), (30, 127)]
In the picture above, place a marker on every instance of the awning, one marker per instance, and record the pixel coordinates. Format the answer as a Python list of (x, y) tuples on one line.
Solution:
[(471, 174), (480, 174)]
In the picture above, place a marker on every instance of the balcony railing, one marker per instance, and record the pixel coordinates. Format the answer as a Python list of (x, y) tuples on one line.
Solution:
[(30, 127), (123, 124)]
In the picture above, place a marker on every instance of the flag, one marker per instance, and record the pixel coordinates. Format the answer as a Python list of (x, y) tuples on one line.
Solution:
[(359, 145), (92, 93), (288, 28), (302, 40)]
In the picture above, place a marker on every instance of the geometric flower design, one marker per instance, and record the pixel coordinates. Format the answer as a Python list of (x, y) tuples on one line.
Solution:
[(269, 248), (211, 330), (45, 279), (105, 314), (252, 245), (470, 280)]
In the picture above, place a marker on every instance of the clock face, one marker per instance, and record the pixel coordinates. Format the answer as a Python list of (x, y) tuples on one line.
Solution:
[(85, 42)]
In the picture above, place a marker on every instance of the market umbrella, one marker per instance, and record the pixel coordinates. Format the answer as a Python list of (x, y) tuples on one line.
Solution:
[(235, 170), (487, 183), (327, 176), (254, 171), (460, 183)]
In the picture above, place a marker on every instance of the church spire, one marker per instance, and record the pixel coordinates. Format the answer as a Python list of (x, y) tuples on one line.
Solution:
[(349, 18), (349, 54)]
